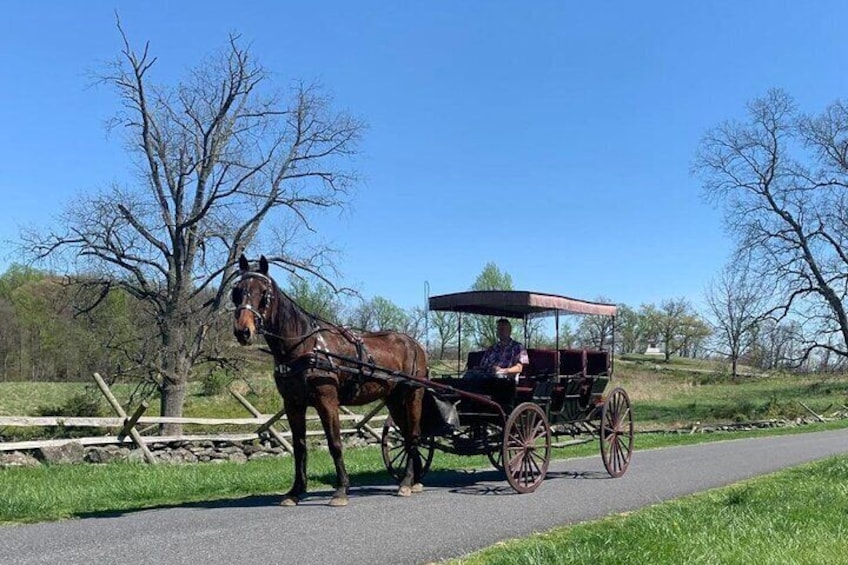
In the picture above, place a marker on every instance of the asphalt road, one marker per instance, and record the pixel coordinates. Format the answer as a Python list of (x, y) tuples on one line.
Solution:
[(458, 513)]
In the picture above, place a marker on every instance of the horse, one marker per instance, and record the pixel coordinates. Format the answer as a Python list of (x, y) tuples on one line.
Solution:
[(323, 365)]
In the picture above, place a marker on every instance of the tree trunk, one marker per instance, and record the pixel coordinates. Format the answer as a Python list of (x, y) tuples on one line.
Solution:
[(176, 368), (171, 405)]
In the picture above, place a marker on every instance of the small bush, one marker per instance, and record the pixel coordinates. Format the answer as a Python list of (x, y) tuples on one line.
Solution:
[(86, 404), (215, 383), (82, 404)]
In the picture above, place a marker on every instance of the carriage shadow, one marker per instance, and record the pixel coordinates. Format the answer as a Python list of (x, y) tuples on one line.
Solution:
[(491, 482)]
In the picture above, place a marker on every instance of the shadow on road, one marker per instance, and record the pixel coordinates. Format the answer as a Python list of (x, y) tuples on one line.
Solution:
[(475, 482)]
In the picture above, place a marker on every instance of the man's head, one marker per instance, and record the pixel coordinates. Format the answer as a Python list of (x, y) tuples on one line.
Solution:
[(504, 329)]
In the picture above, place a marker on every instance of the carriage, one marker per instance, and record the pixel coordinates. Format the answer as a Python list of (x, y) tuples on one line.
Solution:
[(559, 399)]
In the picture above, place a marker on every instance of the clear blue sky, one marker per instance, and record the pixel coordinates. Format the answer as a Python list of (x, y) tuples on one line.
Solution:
[(553, 138)]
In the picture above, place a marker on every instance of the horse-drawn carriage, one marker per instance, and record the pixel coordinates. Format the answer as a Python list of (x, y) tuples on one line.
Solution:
[(559, 394), (320, 364)]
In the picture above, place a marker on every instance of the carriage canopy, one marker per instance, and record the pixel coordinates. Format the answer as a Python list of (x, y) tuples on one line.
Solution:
[(516, 304)]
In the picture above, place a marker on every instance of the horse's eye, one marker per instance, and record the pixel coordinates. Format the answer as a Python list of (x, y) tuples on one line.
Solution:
[(237, 296), (263, 303)]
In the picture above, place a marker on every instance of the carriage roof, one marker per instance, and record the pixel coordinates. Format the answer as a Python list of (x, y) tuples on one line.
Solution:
[(516, 304)]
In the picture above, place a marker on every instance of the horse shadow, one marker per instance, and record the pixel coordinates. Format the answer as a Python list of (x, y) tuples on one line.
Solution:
[(472, 482)]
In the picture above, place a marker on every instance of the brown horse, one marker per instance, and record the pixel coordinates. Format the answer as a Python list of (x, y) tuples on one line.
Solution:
[(319, 364)]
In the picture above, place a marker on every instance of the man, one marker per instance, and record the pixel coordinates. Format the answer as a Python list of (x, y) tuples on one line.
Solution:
[(506, 358)]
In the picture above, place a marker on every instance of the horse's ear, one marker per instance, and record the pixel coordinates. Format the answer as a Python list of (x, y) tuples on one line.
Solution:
[(263, 265), (244, 266)]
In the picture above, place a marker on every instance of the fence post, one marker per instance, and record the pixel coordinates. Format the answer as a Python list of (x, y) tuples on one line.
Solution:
[(363, 422), (129, 424), (267, 425), (116, 406)]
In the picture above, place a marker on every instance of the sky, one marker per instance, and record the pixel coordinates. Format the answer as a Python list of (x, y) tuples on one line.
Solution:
[(554, 139)]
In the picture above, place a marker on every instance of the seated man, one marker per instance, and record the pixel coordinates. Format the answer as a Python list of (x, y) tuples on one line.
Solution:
[(505, 359)]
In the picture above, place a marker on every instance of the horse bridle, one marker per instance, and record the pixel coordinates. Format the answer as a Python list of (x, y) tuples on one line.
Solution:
[(259, 318), (267, 296)]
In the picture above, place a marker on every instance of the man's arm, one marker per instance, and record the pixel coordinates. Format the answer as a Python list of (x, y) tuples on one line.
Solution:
[(514, 370)]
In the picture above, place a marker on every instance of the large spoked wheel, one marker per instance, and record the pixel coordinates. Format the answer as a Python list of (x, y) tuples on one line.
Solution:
[(616, 432), (526, 447), (395, 455)]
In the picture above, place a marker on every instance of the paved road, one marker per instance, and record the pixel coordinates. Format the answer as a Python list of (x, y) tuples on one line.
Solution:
[(460, 512)]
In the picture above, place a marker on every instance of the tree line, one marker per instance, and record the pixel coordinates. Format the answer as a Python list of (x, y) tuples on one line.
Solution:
[(51, 331)]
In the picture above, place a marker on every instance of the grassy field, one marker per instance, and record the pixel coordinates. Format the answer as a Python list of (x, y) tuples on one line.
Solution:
[(673, 396), (796, 516)]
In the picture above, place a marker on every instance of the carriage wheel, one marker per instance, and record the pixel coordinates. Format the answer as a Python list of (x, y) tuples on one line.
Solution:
[(526, 447), (616, 432), (395, 455)]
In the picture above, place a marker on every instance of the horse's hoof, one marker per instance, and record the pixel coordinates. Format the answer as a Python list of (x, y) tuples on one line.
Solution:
[(289, 500), (404, 491), (417, 487), (338, 501)]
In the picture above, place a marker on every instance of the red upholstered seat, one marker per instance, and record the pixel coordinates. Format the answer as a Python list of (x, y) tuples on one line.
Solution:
[(597, 362), (542, 362), (572, 361)]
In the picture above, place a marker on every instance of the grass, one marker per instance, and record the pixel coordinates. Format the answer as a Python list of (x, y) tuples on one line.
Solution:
[(797, 516)]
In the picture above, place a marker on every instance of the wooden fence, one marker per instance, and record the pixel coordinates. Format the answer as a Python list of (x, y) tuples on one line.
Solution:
[(266, 426)]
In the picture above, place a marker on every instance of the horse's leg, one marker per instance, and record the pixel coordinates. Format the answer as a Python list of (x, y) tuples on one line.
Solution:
[(411, 481), (327, 406), (414, 408), (296, 412)]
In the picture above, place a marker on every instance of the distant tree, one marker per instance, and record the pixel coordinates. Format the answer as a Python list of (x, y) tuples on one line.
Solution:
[(737, 303), (534, 329), (379, 313), (776, 345), (9, 332), (596, 331), (484, 328), (445, 326), (693, 335), (781, 177), (670, 321), (225, 165), (415, 326), (636, 329), (316, 297)]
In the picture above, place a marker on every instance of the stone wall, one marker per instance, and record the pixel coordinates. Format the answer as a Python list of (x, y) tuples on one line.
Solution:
[(176, 452)]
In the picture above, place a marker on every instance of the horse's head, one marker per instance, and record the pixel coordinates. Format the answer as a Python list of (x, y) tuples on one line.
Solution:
[(253, 296)]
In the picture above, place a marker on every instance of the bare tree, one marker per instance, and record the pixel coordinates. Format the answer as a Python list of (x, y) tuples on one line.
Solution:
[(224, 165), (446, 327), (781, 177), (737, 303), (597, 331)]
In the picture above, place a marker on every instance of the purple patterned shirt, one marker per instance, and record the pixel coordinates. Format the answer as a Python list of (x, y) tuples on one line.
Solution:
[(503, 356)]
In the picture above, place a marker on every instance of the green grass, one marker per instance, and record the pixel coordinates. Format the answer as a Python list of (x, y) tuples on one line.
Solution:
[(797, 516)]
